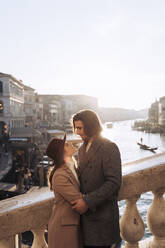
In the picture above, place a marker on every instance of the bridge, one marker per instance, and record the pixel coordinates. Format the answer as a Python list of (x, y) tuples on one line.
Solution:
[(32, 210)]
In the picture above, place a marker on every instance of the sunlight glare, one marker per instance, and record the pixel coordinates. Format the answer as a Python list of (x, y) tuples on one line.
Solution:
[(108, 133)]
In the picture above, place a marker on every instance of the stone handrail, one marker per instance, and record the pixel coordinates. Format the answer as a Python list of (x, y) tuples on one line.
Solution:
[(31, 211), (139, 177), (22, 213)]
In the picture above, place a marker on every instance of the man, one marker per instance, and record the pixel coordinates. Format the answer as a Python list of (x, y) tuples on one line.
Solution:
[(99, 171)]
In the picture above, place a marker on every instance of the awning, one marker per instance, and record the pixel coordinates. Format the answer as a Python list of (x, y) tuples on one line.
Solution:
[(24, 132)]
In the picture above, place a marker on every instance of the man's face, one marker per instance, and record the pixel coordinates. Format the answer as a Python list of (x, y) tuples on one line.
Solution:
[(79, 129)]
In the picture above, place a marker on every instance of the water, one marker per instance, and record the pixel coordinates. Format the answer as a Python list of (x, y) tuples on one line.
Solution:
[(126, 138)]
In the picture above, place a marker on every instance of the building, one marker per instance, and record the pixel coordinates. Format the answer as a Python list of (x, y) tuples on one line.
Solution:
[(52, 110), (162, 111), (11, 101), (153, 112), (30, 106), (39, 111), (21, 106), (58, 109)]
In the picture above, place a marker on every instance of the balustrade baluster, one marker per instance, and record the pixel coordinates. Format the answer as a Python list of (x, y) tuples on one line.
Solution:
[(8, 242), (131, 224), (39, 238), (156, 219)]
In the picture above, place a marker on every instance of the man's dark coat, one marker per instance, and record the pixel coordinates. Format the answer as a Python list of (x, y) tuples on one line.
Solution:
[(99, 171)]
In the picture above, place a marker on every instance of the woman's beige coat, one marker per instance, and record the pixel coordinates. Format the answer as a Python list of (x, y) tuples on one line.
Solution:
[(63, 227)]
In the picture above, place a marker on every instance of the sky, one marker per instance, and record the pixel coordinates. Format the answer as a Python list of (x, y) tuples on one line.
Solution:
[(111, 49)]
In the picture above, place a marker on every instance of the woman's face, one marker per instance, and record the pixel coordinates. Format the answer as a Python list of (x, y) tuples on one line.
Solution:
[(69, 149)]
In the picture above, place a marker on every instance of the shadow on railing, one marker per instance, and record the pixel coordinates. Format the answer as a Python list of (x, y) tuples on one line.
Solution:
[(31, 211)]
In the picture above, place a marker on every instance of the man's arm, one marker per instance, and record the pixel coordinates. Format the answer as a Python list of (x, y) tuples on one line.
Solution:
[(80, 206), (63, 185)]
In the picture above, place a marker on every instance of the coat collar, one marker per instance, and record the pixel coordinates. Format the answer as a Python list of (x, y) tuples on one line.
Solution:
[(74, 180)]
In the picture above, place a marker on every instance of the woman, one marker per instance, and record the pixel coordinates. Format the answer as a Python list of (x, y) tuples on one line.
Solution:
[(63, 226)]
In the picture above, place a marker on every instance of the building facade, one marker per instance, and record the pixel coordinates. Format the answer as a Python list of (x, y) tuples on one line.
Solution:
[(52, 110), (11, 101), (162, 111), (58, 109), (153, 113), (21, 106), (39, 111), (30, 106)]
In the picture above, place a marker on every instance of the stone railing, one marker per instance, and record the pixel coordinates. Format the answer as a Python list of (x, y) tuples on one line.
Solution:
[(138, 177), (26, 212), (31, 211)]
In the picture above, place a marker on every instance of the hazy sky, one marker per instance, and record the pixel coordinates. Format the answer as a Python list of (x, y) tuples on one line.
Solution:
[(111, 49)]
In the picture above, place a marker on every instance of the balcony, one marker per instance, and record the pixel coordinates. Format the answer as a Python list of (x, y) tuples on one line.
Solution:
[(31, 211)]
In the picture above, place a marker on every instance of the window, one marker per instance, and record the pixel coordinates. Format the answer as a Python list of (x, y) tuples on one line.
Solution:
[(1, 87)]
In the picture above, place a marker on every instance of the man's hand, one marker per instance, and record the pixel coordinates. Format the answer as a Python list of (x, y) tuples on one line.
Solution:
[(79, 206)]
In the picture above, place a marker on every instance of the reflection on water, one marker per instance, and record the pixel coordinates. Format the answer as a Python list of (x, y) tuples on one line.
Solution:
[(126, 139)]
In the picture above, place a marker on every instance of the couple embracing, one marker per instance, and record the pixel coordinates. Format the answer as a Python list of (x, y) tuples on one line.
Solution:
[(85, 213)]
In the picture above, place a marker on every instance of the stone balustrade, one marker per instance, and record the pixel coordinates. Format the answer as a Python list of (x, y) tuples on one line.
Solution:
[(25, 212), (32, 210)]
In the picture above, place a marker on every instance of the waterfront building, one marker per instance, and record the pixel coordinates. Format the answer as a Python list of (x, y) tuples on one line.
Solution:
[(52, 110), (39, 111), (58, 109), (162, 111), (30, 106), (21, 106), (73, 103), (67, 111), (153, 113), (11, 101)]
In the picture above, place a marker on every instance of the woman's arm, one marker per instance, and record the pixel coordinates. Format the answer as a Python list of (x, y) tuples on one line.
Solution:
[(64, 186)]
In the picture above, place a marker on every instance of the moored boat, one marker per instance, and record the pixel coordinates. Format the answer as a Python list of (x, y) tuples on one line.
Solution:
[(145, 147)]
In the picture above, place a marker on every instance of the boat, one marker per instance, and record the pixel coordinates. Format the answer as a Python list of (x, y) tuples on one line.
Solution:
[(109, 124), (145, 147)]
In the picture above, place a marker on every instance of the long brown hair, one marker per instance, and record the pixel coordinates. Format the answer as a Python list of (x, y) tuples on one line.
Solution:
[(51, 173), (55, 150), (90, 120)]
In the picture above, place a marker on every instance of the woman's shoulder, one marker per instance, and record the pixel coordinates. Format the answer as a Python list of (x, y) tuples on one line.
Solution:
[(62, 170), (61, 175)]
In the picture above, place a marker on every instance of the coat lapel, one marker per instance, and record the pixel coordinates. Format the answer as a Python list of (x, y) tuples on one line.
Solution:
[(85, 157), (74, 180)]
